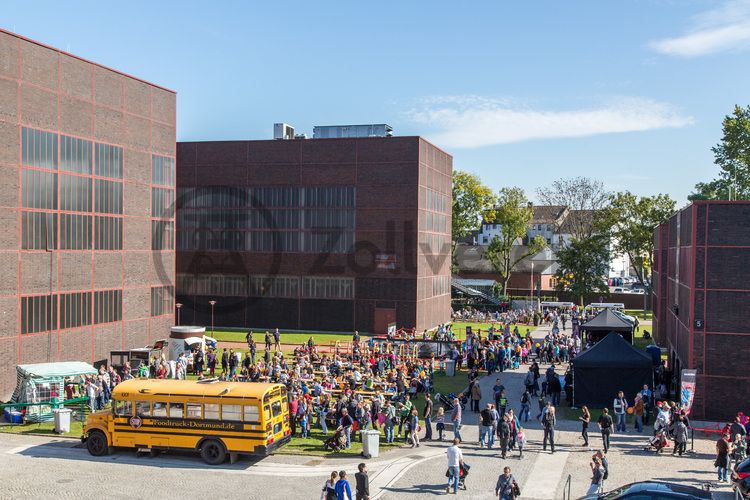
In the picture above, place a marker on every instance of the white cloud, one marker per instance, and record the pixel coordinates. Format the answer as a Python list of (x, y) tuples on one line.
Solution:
[(723, 29), (475, 121)]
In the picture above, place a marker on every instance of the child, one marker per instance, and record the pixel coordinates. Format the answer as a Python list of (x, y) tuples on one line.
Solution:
[(520, 441), (303, 424), (440, 419)]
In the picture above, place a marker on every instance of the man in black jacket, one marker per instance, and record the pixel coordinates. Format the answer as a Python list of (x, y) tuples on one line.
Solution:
[(363, 483), (503, 432)]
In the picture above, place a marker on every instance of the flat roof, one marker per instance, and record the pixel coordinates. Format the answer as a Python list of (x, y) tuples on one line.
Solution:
[(170, 387), (84, 59)]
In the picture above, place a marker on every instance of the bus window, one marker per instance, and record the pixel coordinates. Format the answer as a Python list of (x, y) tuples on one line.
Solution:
[(230, 412), (251, 414), (193, 410), (176, 410), (211, 411), (159, 409), (267, 412), (123, 408), (276, 407), (143, 408)]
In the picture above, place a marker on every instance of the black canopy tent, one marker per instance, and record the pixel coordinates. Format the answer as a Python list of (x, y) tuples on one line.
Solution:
[(607, 321), (610, 366)]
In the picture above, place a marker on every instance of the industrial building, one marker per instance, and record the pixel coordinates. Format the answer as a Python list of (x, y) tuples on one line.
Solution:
[(86, 190), (701, 296), (315, 234)]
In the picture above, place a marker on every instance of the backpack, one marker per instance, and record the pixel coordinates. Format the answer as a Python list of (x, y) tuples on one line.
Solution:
[(549, 419)]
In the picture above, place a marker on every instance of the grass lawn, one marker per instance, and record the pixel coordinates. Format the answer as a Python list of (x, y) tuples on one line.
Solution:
[(76, 428), (286, 338), (459, 327), (640, 314)]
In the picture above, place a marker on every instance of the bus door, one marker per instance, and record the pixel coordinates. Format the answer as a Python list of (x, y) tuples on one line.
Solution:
[(122, 413)]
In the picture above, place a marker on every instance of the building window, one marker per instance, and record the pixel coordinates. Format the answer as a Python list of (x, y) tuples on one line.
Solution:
[(318, 287), (107, 233), (108, 196), (75, 155), (39, 189), (75, 310), (38, 313), (38, 149), (162, 235), (162, 170), (39, 231), (75, 193), (276, 286), (162, 202), (107, 306), (75, 232), (108, 161), (162, 300)]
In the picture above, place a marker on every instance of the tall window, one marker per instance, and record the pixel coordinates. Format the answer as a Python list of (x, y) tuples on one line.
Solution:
[(162, 300), (75, 232), (39, 231), (75, 155), (162, 170), (38, 313), (107, 306), (75, 310), (38, 148), (108, 161), (108, 232)]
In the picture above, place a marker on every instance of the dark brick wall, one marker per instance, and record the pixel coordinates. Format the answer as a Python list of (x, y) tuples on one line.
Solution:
[(711, 332), (43, 88), (391, 176)]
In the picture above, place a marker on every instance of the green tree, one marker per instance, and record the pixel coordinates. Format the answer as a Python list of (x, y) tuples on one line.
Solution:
[(582, 266), (472, 202), (732, 155), (631, 222), (514, 215)]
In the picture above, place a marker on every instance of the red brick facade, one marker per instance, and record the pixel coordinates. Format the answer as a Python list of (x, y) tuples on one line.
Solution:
[(43, 89), (701, 298)]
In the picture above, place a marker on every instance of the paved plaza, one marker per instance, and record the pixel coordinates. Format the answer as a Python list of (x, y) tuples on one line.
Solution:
[(69, 470)]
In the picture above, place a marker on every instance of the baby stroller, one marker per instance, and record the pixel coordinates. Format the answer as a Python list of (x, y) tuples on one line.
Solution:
[(659, 441), (463, 471), (337, 442)]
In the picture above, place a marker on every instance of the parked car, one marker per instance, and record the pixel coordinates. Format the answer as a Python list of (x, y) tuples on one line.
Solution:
[(741, 477), (654, 490), (618, 289)]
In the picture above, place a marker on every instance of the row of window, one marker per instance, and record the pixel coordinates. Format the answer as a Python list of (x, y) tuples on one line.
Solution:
[(267, 197), (40, 231), (314, 287), (266, 241), (162, 300), (435, 243), (162, 170), (205, 411), (434, 222), (39, 312), (162, 203), (39, 190), (266, 219), (441, 285), (437, 202), (162, 235)]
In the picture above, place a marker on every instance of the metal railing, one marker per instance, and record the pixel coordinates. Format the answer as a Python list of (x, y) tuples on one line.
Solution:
[(566, 488)]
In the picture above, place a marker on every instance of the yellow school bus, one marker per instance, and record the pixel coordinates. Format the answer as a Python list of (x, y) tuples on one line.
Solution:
[(211, 417)]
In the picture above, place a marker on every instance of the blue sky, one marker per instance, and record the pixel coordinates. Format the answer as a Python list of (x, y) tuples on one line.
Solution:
[(631, 92)]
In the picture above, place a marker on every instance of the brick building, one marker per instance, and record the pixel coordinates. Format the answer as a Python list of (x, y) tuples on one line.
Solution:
[(701, 298), (319, 234), (86, 187)]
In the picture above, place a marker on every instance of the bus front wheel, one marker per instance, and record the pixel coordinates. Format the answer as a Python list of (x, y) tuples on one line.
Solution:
[(213, 452), (96, 443)]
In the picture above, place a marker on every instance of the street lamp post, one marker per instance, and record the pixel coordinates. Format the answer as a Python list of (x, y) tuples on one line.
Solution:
[(531, 294), (213, 303), (178, 306)]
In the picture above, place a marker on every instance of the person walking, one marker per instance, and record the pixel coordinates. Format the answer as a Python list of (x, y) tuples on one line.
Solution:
[(597, 476), (456, 419), (503, 432), (439, 422), (620, 405), (427, 416), (638, 410), (476, 396), (585, 419), (549, 422), (414, 428), (507, 487), (346, 422), (343, 490), (362, 482), (525, 406), (605, 425), (485, 427), (680, 436), (455, 461), (329, 488), (521, 442)]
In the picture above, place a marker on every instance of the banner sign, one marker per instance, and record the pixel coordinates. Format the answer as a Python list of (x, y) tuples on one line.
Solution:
[(391, 329), (687, 391)]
